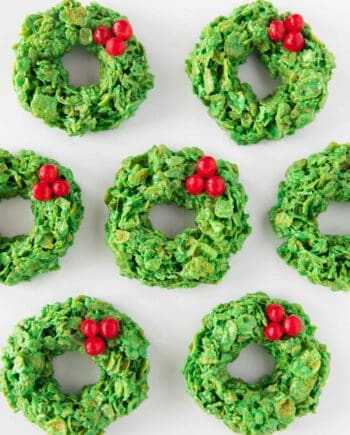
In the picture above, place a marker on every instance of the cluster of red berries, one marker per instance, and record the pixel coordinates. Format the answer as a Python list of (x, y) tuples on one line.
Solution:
[(205, 179), (50, 185), (114, 39), (280, 324), (289, 32), (108, 328)]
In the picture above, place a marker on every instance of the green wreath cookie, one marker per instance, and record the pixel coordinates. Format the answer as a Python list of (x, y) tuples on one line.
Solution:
[(42, 82), (196, 255), (27, 376), (302, 62), (57, 209), (309, 186), (285, 331)]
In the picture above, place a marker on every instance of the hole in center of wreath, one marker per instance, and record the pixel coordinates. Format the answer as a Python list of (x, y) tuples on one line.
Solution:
[(258, 77), (336, 219), (171, 219), (73, 371), (252, 364), (83, 67), (16, 217)]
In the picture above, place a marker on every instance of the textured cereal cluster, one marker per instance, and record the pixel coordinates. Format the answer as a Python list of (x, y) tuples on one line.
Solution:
[(196, 255), (55, 221), (226, 43), (42, 82), (301, 370), (27, 376), (309, 186)]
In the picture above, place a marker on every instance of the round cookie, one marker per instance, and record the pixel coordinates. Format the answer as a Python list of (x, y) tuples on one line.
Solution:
[(42, 83), (27, 376), (309, 186), (55, 220), (196, 255), (226, 43), (294, 388)]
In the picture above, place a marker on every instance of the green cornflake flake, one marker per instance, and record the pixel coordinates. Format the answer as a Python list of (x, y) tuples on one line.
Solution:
[(85, 36), (42, 82), (55, 221), (309, 187), (226, 43), (293, 389), (44, 106), (197, 255), (27, 381)]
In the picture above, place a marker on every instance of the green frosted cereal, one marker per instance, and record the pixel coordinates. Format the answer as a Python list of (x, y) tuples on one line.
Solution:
[(309, 187), (226, 43), (196, 255), (55, 221), (293, 389), (42, 83), (27, 376)]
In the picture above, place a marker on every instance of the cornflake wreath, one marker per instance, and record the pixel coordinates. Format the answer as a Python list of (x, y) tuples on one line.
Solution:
[(293, 389), (27, 378), (309, 186), (42, 83), (57, 208), (196, 255), (297, 57)]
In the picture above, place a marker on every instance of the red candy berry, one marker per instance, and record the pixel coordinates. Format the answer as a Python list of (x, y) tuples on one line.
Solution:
[(94, 346), (48, 173), (294, 23), (109, 327), (206, 166), (61, 187), (277, 31), (273, 331), (122, 29), (275, 313), (102, 34), (89, 328), (294, 42), (195, 184), (116, 47), (42, 191), (292, 326), (215, 186)]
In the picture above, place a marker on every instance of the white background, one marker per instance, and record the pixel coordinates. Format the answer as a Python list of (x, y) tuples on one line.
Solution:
[(173, 115)]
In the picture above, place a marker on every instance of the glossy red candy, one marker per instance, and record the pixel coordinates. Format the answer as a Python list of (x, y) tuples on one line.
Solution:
[(206, 166), (61, 187), (292, 326), (102, 34), (273, 331), (94, 346), (116, 47), (48, 173), (277, 31), (294, 23), (42, 191), (109, 327), (215, 186), (294, 42), (122, 29), (89, 328), (275, 313), (195, 184)]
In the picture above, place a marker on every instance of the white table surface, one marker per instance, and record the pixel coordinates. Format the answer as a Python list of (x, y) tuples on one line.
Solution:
[(174, 116)]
